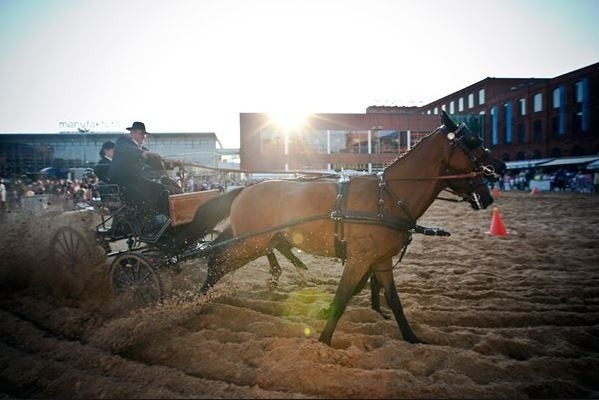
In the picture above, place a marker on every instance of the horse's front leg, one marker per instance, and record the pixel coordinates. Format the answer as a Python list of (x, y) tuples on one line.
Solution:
[(353, 275), (384, 276), (274, 268)]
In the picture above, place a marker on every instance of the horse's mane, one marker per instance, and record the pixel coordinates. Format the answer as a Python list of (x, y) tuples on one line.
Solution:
[(401, 157)]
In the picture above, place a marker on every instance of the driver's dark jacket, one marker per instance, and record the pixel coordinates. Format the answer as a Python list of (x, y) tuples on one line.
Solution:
[(127, 171), (127, 162)]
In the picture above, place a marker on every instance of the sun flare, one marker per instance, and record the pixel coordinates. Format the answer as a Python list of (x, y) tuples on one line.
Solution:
[(289, 119)]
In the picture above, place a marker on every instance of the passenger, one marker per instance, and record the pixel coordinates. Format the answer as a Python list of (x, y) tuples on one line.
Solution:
[(127, 170), (102, 168)]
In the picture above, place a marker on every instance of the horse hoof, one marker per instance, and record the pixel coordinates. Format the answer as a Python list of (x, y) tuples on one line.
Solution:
[(413, 339)]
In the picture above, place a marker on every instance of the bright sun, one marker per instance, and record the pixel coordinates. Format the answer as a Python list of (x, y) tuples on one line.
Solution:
[(289, 119)]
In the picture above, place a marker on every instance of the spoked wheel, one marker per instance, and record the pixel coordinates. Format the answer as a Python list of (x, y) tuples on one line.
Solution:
[(69, 249), (134, 281)]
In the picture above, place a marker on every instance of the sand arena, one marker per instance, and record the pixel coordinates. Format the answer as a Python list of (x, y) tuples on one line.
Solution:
[(510, 317)]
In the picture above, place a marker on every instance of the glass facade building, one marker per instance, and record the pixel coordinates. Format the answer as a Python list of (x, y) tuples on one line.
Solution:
[(22, 153)]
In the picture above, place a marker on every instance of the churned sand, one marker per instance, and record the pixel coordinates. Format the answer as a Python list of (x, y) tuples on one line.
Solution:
[(504, 317)]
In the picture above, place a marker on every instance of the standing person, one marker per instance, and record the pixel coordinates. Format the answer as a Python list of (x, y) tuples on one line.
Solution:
[(102, 168), (126, 170), (2, 195)]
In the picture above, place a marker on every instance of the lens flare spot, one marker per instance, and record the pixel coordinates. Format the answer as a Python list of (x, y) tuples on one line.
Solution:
[(297, 239)]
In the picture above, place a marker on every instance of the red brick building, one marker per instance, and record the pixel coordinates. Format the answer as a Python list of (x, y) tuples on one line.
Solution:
[(528, 118), (519, 119), (362, 142)]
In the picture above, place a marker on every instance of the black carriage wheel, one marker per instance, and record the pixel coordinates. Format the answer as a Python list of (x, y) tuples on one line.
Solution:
[(134, 281), (69, 249)]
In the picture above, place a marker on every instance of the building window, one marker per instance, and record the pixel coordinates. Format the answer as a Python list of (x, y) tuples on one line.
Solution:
[(436, 111), (272, 142), (461, 104), (494, 125), (355, 142), (385, 141), (521, 133), (443, 107), (537, 101), (537, 131), (581, 89), (522, 106), (428, 112), (557, 97), (577, 122), (481, 97), (307, 141), (578, 91), (452, 107), (507, 122), (559, 102), (471, 100)]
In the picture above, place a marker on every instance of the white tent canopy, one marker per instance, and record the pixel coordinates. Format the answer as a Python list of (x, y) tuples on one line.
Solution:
[(592, 161), (569, 161), (526, 163)]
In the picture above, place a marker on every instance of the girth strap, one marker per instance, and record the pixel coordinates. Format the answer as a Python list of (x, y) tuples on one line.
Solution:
[(340, 215)]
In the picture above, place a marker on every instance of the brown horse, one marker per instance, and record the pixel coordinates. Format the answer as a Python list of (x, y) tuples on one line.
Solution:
[(367, 221), (472, 190)]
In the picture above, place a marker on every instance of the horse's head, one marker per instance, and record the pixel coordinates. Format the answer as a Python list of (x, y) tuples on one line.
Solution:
[(467, 155)]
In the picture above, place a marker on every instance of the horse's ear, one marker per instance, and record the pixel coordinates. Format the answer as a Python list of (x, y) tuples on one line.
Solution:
[(448, 122)]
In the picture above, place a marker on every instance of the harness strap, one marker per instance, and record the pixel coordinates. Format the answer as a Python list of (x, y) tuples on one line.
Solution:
[(337, 216), (340, 215)]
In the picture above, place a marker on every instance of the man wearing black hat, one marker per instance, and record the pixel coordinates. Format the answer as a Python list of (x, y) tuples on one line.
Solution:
[(126, 170), (103, 166)]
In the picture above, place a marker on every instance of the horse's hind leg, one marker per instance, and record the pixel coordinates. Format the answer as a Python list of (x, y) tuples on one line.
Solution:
[(232, 257), (215, 270), (375, 300), (353, 275), (384, 275), (285, 249)]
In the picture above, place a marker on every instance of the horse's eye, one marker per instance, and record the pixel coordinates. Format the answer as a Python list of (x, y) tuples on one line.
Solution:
[(472, 141)]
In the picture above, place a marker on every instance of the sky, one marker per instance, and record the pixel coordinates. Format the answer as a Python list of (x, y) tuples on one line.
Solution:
[(195, 65)]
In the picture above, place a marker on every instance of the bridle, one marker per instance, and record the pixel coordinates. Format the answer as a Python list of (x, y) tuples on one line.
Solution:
[(470, 143)]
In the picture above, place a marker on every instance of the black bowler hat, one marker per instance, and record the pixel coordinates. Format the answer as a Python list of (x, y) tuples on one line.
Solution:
[(106, 146), (139, 125)]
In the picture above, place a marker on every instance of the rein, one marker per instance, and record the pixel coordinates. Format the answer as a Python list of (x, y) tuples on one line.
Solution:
[(467, 175)]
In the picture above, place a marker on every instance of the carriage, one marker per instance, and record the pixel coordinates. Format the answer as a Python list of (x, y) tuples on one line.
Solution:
[(133, 243), (364, 221)]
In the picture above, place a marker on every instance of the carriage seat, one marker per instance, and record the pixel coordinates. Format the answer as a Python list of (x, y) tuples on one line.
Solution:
[(110, 196)]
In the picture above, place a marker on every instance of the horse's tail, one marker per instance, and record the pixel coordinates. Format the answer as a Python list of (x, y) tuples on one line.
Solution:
[(209, 214), (206, 217)]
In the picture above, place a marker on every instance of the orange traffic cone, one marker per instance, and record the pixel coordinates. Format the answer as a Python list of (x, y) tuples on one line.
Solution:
[(497, 228), (495, 193), (535, 190)]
